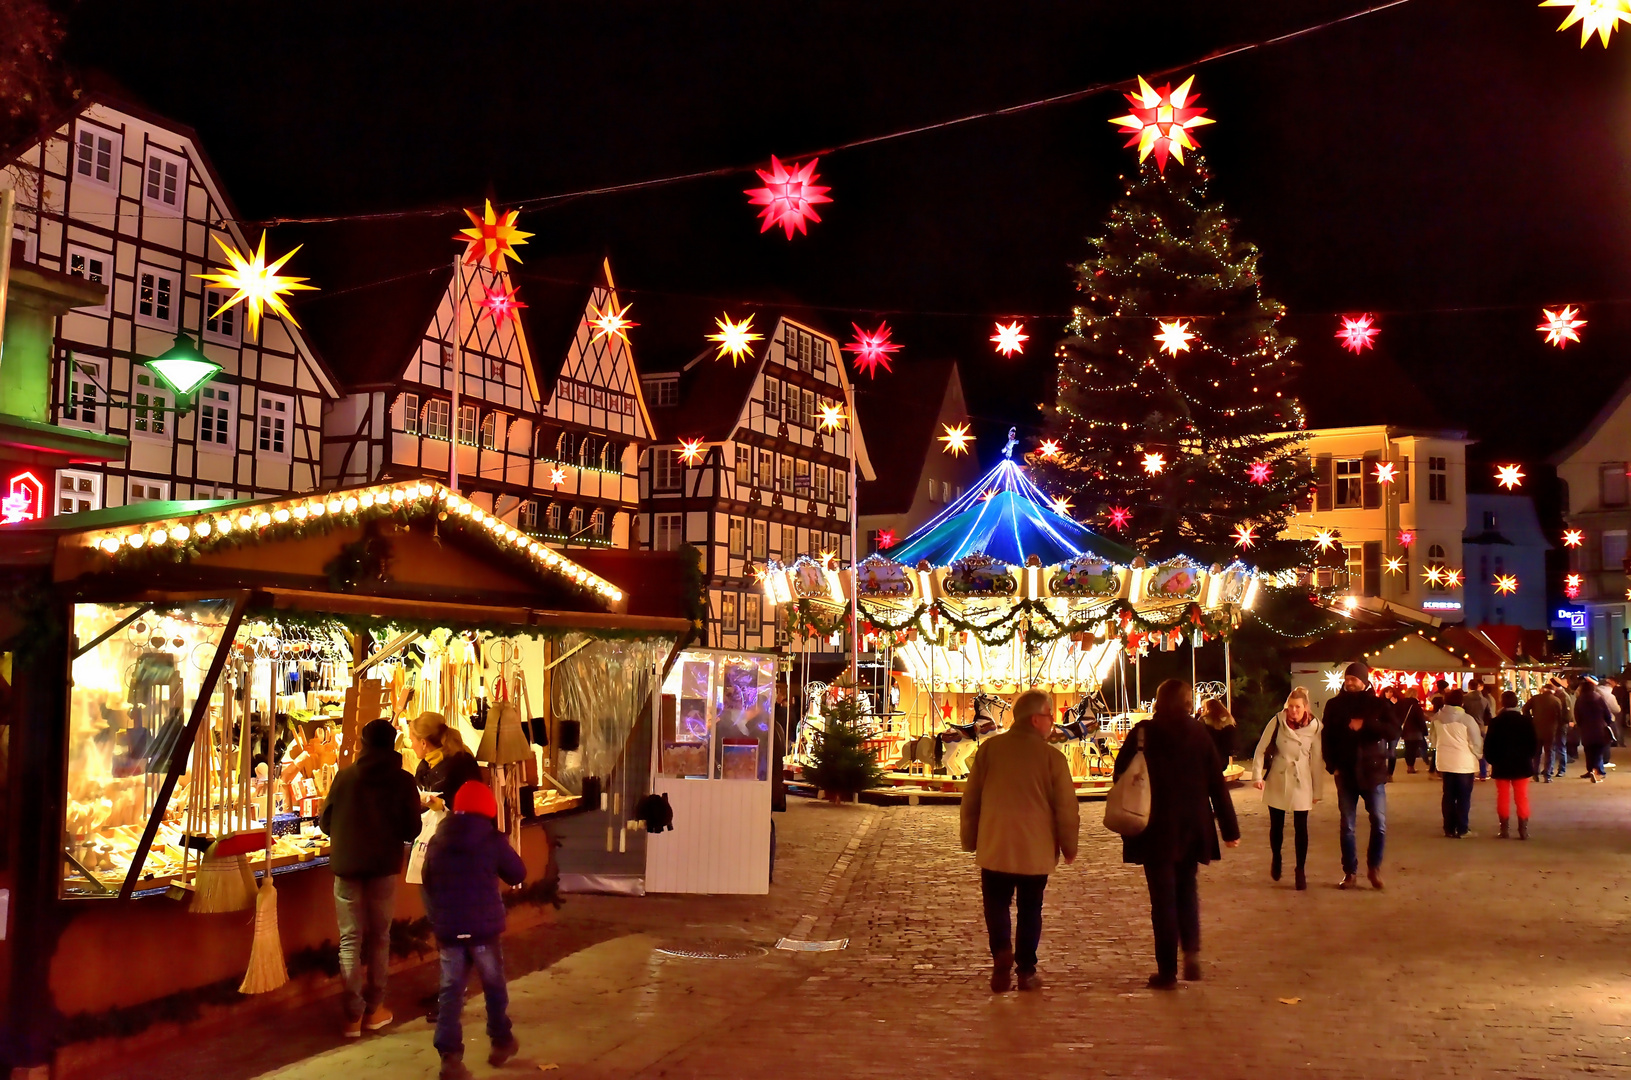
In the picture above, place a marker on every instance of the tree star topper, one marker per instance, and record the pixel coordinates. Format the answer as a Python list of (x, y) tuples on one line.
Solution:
[(613, 320), (1174, 337), (872, 348), (1509, 476), (1600, 17), (788, 198), (258, 286), (734, 338), (1010, 338), (1160, 121), (1358, 334), (956, 438), (499, 303), (492, 237), (1561, 327)]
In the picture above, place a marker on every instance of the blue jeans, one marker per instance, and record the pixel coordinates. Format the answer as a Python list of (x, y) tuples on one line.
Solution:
[(363, 907), (1376, 806), (1595, 757), (457, 960), (997, 891), (1456, 804)]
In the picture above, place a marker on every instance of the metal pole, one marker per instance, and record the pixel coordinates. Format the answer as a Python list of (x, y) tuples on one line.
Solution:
[(458, 372), (1228, 680), (854, 578)]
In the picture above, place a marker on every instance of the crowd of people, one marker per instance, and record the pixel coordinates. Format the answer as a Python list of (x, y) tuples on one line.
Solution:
[(1019, 812)]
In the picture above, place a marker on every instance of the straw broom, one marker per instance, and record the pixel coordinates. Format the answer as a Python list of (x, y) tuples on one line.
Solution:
[(224, 882), (266, 968)]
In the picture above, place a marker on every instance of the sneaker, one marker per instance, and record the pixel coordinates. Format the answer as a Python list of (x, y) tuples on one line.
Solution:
[(1348, 881), (1031, 981), (1375, 876), (1469, 835), (1162, 982), (503, 1051), (380, 1018), (352, 1029)]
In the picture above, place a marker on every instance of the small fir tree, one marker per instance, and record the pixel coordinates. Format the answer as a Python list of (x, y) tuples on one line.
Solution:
[(1211, 411), (840, 763)]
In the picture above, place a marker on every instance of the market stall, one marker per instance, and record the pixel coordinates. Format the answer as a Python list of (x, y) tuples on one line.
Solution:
[(999, 594), (190, 676)]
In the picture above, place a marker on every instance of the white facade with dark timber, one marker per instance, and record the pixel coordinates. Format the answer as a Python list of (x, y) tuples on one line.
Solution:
[(770, 485), (128, 199)]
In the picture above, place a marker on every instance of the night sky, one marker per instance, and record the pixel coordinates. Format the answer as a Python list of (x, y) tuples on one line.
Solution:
[(1451, 164)]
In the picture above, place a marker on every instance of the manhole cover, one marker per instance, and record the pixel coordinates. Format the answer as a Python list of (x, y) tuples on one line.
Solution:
[(712, 950)]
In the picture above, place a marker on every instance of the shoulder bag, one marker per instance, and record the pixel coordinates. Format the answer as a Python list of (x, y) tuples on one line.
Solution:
[(1273, 748), (1127, 810)]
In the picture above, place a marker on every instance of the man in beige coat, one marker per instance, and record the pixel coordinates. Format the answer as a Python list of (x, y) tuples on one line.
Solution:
[(1019, 816)]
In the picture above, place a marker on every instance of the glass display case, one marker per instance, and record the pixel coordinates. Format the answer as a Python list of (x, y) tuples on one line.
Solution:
[(718, 717)]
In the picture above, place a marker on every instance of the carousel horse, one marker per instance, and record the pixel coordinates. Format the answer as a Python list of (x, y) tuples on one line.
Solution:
[(959, 741)]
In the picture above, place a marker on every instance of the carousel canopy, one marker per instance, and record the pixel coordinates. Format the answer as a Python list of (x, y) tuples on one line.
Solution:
[(1009, 518)]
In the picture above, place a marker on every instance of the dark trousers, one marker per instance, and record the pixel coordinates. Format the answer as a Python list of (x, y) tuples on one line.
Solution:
[(1392, 756), (997, 890), (1549, 758), (1348, 798), (1596, 755), (363, 908), (1175, 912), (1413, 749), (487, 958), (1299, 828), (1457, 802)]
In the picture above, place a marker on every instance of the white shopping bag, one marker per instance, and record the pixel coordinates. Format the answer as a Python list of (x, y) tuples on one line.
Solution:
[(428, 823)]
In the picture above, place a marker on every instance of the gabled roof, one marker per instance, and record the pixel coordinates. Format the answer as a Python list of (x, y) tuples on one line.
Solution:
[(1345, 390), (557, 290), (900, 430)]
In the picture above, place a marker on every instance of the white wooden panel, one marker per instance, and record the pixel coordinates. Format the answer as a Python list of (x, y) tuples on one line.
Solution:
[(720, 842)]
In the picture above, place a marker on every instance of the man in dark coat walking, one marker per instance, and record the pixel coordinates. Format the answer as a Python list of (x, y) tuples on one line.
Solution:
[(1358, 730)]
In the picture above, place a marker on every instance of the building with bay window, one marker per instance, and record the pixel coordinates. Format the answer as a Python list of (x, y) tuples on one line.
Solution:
[(1595, 475)]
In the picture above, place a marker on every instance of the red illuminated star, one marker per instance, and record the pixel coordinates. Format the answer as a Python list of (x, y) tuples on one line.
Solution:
[(1406, 538), (500, 303), (886, 538), (871, 349), (1160, 121), (1245, 536), (1259, 472), (1358, 333), (1561, 327), (1119, 517), (788, 198), (492, 237)]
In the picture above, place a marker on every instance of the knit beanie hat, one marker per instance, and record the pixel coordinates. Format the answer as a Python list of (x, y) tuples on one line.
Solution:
[(475, 797), (379, 734), (1358, 670)]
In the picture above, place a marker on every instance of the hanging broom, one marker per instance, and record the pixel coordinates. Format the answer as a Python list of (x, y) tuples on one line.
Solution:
[(266, 968), (225, 882)]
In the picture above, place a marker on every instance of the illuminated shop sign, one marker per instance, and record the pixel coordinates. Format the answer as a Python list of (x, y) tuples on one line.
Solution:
[(24, 499)]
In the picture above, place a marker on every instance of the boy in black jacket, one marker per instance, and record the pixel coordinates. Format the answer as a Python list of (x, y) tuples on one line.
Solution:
[(463, 865)]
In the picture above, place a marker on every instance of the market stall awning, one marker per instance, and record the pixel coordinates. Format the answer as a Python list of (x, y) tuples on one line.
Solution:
[(1010, 519)]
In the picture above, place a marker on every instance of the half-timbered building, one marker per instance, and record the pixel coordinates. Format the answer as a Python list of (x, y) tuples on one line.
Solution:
[(544, 422), (122, 197), (769, 482)]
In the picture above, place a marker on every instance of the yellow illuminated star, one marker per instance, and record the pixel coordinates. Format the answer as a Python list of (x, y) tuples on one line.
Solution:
[(1174, 337), (831, 416), (258, 286), (1154, 463), (1508, 476), (691, 451), (1061, 505), (1326, 539), (1562, 326), (1506, 584), (1574, 581), (491, 238), (1048, 450), (826, 557), (735, 338), (557, 477), (1433, 575), (1395, 565), (1010, 338), (1385, 472), (1452, 579), (1334, 680), (1245, 536), (1573, 538), (1600, 17), (614, 320), (956, 438)]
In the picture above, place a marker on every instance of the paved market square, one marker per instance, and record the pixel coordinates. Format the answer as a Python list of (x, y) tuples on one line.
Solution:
[(1481, 958)]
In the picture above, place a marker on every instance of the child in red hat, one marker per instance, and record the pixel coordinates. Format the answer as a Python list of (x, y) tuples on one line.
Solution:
[(463, 865)]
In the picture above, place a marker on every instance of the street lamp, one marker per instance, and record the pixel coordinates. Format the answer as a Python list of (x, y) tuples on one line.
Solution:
[(183, 368)]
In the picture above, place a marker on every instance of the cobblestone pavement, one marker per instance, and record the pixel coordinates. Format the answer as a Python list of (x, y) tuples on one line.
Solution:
[(1481, 958)]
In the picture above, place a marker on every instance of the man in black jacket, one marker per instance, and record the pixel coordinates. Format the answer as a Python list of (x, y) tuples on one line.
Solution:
[(371, 812), (1358, 731)]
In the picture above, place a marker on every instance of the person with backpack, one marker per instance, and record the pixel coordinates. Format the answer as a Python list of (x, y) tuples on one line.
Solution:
[(1358, 729), (1290, 772), (464, 863), (1189, 803), (1509, 747)]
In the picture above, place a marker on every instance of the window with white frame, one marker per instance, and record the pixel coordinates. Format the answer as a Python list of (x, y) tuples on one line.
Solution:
[(489, 431), (773, 399), (761, 540), (1354, 558), (410, 413), (752, 620), (148, 490), (767, 469), (84, 403), (217, 427), (1350, 478), (526, 517), (220, 324), (1438, 480), (468, 418), (150, 403), (727, 613), (1612, 489), (78, 491), (733, 532), (934, 491), (744, 465), (840, 487), (789, 548), (784, 474), (574, 521), (213, 491), (667, 469), (164, 181), (554, 518), (663, 393), (800, 348), (94, 266), (158, 295), (438, 415), (96, 155), (820, 481), (815, 542), (669, 532), (273, 436), (807, 400), (945, 491), (598, 524)]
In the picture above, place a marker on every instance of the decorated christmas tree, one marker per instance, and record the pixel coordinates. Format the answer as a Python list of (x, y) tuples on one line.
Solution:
[(1174, 417)]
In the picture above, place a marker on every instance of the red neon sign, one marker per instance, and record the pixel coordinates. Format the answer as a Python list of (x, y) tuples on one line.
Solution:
[(24, 501)]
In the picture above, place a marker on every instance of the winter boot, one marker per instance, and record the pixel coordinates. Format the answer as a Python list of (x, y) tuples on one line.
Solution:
[(1274, 866), (1523, 828), (1192, 967), (1504, 834), (1002, 971)]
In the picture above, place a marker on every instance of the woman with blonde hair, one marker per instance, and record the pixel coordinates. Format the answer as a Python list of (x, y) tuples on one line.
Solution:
[(1220, 724), (1289, 770), (445, 763)]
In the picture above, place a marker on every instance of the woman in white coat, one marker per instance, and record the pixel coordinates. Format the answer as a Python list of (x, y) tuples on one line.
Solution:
[(1292, 778)]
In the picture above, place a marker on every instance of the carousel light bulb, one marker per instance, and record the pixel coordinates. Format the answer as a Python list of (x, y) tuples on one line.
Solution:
[(280, 515), (246, 521), (202, 529), (224, 525), (350, 505), (263, 519), (366, 500), (136, 540), (1573, 537), (318, 510), (157, 536), (335, 505), (180, 534), (398, 496), (426, 491)]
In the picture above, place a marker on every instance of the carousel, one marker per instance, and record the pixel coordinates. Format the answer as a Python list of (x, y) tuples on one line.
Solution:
[(1000, 594)]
